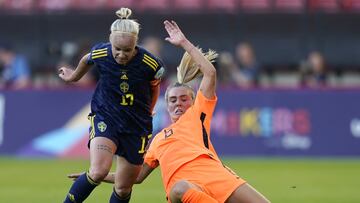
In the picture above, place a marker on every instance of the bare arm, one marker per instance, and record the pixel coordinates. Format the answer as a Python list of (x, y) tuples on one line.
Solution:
[(176, 37), (69, 75), (144, 173), (155, 92), (110, 178)]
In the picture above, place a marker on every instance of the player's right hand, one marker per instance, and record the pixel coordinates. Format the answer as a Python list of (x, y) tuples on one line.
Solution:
[(65, 73)]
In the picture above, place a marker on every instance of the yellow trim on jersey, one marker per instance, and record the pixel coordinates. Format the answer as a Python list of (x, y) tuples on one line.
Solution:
[(92, 132), (151, 66), (98, 56), (98, 53), (150, 61)]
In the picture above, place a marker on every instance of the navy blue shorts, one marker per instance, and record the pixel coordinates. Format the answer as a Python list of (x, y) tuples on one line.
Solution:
[(131, 147)]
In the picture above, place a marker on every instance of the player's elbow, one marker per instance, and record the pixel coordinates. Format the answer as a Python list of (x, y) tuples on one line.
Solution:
[(210, 72), (210, 75)]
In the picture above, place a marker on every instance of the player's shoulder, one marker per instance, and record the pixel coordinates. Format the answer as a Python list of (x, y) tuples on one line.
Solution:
[(158, 136), (100, 50), (148, 59)]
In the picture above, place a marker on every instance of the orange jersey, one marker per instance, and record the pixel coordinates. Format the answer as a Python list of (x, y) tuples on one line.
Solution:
[(184, 140)]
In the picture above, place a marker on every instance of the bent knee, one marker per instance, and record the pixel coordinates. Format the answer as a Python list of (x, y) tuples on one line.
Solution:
[(122, 192), (180, 188), (98, 174)]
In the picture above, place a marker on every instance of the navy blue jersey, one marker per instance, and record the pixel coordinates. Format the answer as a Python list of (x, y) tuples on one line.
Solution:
[(123, 92)]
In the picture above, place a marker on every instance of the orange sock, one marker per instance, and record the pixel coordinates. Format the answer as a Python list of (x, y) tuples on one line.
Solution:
[(195, 196)]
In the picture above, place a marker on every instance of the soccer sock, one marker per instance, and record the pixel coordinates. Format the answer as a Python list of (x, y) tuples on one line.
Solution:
[(195, 196), (116, 199), (81, 189)]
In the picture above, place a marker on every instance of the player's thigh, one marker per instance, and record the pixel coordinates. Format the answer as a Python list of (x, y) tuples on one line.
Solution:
[(132, 148), (126, 173), (102, 150), (246, 193)]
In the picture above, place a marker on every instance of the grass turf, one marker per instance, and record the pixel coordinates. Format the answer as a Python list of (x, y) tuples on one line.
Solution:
[(281, 180)]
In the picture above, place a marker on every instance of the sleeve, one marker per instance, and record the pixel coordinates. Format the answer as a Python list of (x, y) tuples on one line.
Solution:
[(97, 52), (205, 105), (156, 65), (150, 158), (160, 71), (90, 61)]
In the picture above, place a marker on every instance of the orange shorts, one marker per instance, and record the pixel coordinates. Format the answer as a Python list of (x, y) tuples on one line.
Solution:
[(210, 175)]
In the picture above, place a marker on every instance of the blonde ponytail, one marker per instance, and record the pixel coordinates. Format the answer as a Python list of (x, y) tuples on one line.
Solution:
[(188, 69)]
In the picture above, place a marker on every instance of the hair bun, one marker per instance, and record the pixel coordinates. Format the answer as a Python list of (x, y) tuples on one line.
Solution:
[(124, 13)]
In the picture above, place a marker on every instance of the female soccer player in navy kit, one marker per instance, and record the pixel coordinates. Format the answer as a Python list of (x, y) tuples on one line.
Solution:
[(121, 108)]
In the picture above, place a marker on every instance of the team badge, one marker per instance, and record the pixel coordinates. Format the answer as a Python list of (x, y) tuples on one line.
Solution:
[(124, 87), (160, 73), (102, 126)]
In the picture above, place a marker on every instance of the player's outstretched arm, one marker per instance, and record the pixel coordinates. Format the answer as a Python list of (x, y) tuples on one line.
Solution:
[(176, 37), (110, 178), (144, 173), (70, 75)]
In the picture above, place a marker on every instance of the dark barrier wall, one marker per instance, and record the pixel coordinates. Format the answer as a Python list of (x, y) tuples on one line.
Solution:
[(277, 38), (254, 122)]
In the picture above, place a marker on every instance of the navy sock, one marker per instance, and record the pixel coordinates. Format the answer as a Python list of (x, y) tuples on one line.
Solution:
[(81, 189), (116, 199)]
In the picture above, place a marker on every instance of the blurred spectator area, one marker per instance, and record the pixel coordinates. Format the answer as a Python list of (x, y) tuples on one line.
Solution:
[(169, 6), (282, 32)]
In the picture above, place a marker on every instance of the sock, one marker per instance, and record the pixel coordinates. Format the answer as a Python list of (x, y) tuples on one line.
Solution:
[(116, 199), (195, 196), (81, 189)]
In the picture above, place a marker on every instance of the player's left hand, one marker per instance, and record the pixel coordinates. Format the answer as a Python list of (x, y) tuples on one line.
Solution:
[(74, 176), (176, 36)]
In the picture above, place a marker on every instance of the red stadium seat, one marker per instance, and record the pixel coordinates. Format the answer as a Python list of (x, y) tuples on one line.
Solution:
[(84, 4), (250, 5), (228, 5), (323, 5), (17, 5), (351, 5), (188, 4), (290, 5), (152, 4), (116, 4), (54, 4)]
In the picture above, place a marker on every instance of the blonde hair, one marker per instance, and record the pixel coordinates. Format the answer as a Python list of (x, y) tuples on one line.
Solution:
[(124, 24), (188, 69)]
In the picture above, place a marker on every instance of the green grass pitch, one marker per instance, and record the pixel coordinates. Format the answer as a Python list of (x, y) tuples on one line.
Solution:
[(281, 180)]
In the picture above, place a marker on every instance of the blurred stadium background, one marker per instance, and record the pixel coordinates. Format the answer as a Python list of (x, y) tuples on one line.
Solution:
[(288, 117)]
